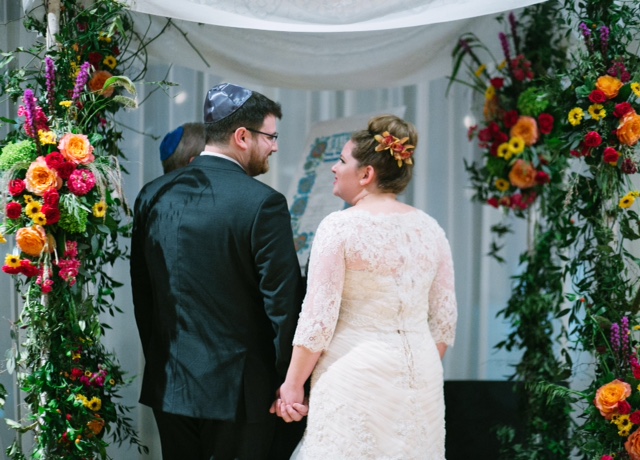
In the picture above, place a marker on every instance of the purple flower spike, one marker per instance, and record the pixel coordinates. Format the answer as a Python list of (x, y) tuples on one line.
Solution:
[(624, 335), (604, 40), (81, 81), (615, 337), (51, 78), (505, 46), (29, 100)]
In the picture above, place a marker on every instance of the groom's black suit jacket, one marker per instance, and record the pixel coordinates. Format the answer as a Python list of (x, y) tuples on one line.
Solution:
[(216, 290)]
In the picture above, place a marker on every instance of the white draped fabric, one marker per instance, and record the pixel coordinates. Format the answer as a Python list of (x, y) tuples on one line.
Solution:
[(317, 76), (315, 45)]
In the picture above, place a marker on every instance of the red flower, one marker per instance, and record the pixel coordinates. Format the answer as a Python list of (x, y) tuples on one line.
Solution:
[(54, 160), (629, 167), (65, 170), (622, 109), (10, 270), (13, 210), (624, 408), (51, 197), (542, 177), (545, 123), (635, 417), (575, 153), (597, 96), (95, 59), (611, 156), (485, 135), (592, 139), (510, 119), (16, 187), (493, 201), (28, 269), (497, 83), (52, 213)]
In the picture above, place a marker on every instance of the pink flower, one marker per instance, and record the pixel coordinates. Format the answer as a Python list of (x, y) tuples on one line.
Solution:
[(81, 182), (71, 250)]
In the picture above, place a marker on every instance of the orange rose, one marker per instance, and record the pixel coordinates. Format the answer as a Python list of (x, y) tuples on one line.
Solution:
[(97, 83), (40, 178), (32, 240), (527, 129), (609, 396), (522, 174), (629, 129), (96, 425), (633, 445), (609, 85), (76, 149)]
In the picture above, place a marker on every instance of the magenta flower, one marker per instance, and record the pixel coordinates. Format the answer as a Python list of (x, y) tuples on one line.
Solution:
[(81, 182)]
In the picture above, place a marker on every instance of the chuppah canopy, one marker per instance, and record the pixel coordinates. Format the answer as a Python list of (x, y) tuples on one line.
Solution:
[(303, 44)]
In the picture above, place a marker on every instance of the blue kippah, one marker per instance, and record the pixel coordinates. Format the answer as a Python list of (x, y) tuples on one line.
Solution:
[(224, 99), (170, 143)]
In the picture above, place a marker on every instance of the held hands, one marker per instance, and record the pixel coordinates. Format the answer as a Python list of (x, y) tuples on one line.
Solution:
[(291, 404)]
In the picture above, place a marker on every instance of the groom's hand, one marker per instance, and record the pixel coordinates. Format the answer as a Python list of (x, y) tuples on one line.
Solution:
[(294, 412)]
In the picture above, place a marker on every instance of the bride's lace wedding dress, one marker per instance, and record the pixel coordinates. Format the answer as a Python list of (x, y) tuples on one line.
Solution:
[(380, 296)]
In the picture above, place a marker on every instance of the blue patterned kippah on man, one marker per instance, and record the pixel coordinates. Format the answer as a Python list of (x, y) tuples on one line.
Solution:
[(170, 143), (223, 100)]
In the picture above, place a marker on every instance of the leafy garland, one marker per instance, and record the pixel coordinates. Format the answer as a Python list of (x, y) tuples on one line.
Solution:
[(61, 198), (583, 221)]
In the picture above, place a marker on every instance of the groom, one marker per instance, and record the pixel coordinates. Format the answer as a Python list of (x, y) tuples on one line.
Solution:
[(216, 287)]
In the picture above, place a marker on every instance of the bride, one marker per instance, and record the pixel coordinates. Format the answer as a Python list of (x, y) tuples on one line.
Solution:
[(378, 316)]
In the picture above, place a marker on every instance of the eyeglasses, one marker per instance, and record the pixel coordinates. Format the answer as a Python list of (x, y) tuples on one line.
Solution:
[(272, 137)]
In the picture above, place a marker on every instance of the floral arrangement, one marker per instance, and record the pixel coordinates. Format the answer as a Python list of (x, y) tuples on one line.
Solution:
[(62, 204), (616, 406), (516, 125), (398, 148)]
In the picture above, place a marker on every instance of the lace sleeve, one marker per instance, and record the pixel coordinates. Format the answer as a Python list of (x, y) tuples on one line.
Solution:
[(325, 281), (443, 310)]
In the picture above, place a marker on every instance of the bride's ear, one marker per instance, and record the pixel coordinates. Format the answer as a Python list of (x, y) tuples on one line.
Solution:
[(368, 175)]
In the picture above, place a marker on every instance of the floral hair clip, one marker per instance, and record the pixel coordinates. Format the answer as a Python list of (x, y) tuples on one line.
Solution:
[(396, 147)]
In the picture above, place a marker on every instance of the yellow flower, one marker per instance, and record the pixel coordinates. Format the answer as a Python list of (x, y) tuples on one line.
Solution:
[(575, 116), (66, 104), (100, 209), (12, 261), (597, 111), (490, 93), (87, 373), (47, 137), (635, 87), (27, 198), (110, 62), (623, 421), (636, 328), (481, 70), (502, 65), (2, 239), (82, 398), (636, 194), (503, 150), (502, 185), (94, 404), (103, 37), (39, 218), (627, 201), (32, 208), (516, 145)]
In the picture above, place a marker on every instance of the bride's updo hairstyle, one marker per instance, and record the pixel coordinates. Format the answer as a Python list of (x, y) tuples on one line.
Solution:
[(393, 174)]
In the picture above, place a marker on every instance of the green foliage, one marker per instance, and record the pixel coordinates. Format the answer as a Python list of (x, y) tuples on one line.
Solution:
[(584, 215), (62, 182)]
